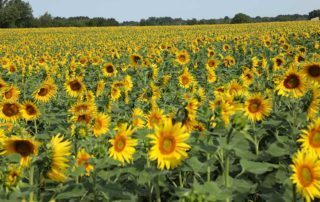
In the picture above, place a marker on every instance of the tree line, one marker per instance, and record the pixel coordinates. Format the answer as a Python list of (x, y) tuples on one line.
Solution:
[(18, 13)]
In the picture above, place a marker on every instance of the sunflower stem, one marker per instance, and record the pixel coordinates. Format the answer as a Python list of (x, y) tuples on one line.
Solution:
[(35, 128), (226, 167), (180, 179), (208, 169), (294, 193), (31, 183), (157, 189)]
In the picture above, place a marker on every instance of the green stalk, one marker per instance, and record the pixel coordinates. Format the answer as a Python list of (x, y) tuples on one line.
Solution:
[(208, 169), (157, 189), (31, 183), (180, 179), (226, 167)]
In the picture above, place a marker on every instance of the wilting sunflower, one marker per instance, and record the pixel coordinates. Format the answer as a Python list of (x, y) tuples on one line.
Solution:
[(312, 71), (109, 70), (292, 83), (83, 159), (24, 146), (11, 94), (123, 145), (46, 91), (155, 117), (29, 111), (257, 107), (10, 111), (169, 145), (75, 86), (60, 151), (186, 79), (310, 138), (101, 124), (306, 174), (136, 59), (182, 57), (138, 118)]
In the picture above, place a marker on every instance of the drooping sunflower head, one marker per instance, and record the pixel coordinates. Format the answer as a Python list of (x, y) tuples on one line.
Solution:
[(155, 117), (313, 102), (13, 175), (46, 91), (83, 159), (123, 144), (138, 118), (292, 83), (24, 146), (306, 174), (182, 57), (30, 111), (10, 111), (75, 86), (257, 107), (60, 151), (169, 145), (312, 71)]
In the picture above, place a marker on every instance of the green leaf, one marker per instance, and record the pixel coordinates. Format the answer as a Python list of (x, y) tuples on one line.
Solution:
[(72, 192), (257, 167)]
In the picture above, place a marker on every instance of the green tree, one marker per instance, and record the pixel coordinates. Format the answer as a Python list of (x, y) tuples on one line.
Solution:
[(314, 14), (15, 13), (241, 18)]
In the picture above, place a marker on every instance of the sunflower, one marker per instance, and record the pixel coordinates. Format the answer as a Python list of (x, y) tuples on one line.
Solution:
[(186, 78), (136, 59), (138, 118), (10, 111), (60, 151), (24, 146), (299, 58), (306, 174), (310, 138), (115, 93), (101, 124), (168, 144), (257, 107), (109, 70), (182, 57), (247, 77), (278, 62), (46, 91), (3, 85), (235, 88), (314, 105), (123, 145), (154, 117), (312, 71), (83, 107), (75, 87), (14, 175), (100, 87), (29, 111), (292, 83), (212, 64), (211, 76), (83, 159), (229, 61), (11, 94), (83, 118)]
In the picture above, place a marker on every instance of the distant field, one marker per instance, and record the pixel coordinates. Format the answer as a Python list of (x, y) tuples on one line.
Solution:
[(186, 113)]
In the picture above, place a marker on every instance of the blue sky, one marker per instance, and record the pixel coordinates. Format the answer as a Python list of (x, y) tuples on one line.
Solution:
[(123, 10)]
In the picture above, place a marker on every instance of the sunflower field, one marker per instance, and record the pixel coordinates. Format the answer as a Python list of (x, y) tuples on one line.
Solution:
[(177, 113)]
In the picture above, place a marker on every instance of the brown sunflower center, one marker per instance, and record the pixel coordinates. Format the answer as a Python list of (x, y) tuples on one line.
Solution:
[(43, 91), (84, 118), (31, 110), (314, 70), (314, 138), (109, 69), (136, 59), (10, 109), (167, 145), (279, 62), (292, 81), (75, 85), (300, 58), (248, 76), (185, 80), (120, 143), (182, 58), (254, 105), (24, 147), (306, 176), (211, 63), (8, 94), (98, 124)]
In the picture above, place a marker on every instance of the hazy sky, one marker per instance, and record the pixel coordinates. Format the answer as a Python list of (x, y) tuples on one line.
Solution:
[(123, 10)]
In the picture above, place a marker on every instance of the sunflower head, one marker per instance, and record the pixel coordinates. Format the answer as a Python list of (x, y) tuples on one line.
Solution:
[(29, 111), (312, 71), (257, 107), (10, 111), (182, 57)]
